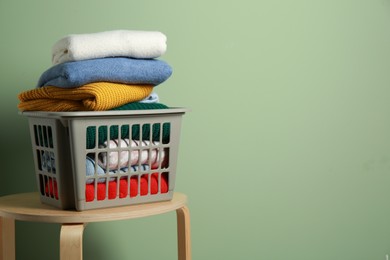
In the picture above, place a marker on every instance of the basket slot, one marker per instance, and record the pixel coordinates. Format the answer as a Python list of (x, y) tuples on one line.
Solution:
[(164, 175), (41, 185), (46, 161), (43, 136), (166, 132)]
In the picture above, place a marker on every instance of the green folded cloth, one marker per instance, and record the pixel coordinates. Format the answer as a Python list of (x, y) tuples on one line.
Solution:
[(148, 132)]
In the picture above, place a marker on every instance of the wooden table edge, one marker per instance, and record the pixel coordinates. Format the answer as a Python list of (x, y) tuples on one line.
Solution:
[(27, 207)]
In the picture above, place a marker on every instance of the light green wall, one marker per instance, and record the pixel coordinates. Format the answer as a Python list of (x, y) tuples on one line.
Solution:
[(286, 153)]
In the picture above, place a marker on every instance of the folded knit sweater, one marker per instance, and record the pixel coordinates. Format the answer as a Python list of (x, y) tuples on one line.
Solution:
[(96, 96)]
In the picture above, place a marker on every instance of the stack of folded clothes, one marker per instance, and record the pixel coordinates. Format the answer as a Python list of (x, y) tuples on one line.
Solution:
[(100, 71), (112, 70)]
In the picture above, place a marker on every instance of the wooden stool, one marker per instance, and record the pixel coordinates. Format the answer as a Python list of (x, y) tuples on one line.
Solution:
[(27, 207)]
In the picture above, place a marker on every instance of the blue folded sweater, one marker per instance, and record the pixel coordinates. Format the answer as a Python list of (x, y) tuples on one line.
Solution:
[(116, 69)]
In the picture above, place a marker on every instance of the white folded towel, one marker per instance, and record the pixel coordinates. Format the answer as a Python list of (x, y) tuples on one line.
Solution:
[(133, 44)]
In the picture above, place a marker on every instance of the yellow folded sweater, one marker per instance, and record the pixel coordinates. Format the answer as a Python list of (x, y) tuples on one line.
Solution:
[(95, 96)]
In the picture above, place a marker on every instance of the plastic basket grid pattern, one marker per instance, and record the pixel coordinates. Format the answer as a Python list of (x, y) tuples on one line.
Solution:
[(88, 161)]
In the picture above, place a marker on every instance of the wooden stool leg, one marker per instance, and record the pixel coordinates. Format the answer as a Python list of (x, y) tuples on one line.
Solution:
[(7, 238), (183, 233), (71, 242)]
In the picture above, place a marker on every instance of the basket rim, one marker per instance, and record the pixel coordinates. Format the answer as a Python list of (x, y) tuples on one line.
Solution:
[(75, 114)]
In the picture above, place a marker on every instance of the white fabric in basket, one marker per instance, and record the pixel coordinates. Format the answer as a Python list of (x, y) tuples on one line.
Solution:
[(144, 153)]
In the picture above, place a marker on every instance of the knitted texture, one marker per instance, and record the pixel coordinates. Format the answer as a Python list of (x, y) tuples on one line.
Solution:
[(146, 132), (96, 96)]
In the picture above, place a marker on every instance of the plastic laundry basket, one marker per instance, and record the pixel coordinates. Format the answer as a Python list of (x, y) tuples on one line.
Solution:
[(88, 160)]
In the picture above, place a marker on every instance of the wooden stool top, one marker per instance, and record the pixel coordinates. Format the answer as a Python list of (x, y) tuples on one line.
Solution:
[(27, 207)]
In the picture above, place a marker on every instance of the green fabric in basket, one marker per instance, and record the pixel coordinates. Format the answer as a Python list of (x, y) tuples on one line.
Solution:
[(148, 131)]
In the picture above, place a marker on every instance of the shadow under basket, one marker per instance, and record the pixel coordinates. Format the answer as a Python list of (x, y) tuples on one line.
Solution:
[(89, 160)]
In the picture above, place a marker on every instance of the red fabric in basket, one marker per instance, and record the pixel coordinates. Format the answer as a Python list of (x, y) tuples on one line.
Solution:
[(123, 187), (51, 188)]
